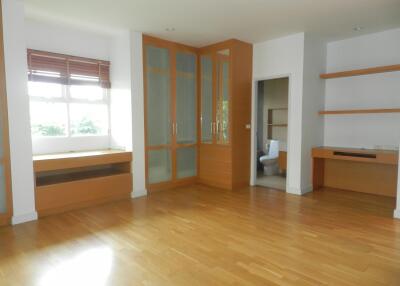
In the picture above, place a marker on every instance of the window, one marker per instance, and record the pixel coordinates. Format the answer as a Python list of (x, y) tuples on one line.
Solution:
[(62, 110), (68, 96)]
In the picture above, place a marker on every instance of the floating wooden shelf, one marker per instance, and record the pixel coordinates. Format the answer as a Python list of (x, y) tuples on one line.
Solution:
[(359, 111), (366, 71)]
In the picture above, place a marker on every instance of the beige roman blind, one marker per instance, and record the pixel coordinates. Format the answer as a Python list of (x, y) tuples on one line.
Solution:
[(70, 70)]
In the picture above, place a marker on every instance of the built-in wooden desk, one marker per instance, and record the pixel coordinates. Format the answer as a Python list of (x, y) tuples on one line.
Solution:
[(73, 180), (360, 170)]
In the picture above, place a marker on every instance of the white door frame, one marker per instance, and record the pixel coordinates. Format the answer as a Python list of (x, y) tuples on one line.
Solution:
[(254, 104)]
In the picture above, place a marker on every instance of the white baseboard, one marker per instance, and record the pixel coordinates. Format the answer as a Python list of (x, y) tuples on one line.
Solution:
[(138, 193), (396, 214), (306, 190), (299, 192), (17, 219), (293, 191)]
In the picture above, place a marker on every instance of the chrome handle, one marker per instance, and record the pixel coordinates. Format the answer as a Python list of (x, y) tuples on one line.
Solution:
[(173, 129), (176, 128), (218, 127)]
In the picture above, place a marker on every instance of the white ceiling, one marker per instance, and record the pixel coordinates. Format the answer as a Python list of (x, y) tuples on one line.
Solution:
[(201, 22)]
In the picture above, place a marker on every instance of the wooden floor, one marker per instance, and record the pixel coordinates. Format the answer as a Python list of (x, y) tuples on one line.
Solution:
[(204, 236)]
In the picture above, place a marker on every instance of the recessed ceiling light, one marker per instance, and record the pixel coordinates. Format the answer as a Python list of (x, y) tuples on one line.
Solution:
[(358, 28), (170, 29)]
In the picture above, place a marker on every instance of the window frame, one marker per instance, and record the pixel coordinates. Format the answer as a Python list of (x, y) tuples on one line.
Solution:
[(70, 142), (67, 99)]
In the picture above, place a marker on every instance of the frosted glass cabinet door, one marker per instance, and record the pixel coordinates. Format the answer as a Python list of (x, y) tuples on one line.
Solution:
[(206, 99), (223, 101), (158, 96), (159, 166), (186, 160), (186, 128), (3, 196)]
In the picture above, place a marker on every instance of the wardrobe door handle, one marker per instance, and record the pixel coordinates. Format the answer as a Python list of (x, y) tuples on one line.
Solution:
[(176, 128)]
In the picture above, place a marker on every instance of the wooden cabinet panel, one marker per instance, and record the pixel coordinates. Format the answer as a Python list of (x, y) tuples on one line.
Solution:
[(215, 166), (378, 179), (242, 68)]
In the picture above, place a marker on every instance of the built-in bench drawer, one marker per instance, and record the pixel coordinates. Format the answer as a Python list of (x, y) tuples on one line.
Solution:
[(54, 198)]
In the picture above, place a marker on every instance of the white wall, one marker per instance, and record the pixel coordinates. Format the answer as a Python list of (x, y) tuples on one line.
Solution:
[(18, 112), (120, 101), (313, 101), (67, 40), (138, 166), (279, 58), (370, 91), (127, 104)]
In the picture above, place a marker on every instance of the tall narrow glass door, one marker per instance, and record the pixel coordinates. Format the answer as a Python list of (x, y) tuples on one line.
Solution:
[(186, 115), (158, 114), (186, 100), (206, 118), (223, 95), (158, 96)]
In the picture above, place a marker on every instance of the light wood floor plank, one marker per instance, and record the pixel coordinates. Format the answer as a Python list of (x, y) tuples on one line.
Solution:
[(206, 236)]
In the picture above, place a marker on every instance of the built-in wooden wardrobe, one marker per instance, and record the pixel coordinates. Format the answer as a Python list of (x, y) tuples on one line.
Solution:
[(171, 111), (197, 113), (225, 88), (5, 173)]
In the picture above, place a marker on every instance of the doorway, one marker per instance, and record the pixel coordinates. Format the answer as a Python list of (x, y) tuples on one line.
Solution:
[(272, 132)]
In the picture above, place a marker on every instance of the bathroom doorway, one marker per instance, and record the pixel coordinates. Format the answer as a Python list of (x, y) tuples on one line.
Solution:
[(272, 132)]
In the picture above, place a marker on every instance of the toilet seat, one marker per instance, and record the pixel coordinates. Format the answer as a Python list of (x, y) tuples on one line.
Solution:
[(270, 161)]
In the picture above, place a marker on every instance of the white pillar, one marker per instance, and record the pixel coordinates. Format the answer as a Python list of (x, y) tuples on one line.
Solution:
[(138, 165), (397, 210), (18, 112)]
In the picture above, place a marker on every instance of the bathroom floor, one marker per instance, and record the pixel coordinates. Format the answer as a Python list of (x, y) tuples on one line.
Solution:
[(275, 181)]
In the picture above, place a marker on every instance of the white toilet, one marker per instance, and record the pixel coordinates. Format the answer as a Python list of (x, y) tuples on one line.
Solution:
[(270, 161)]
